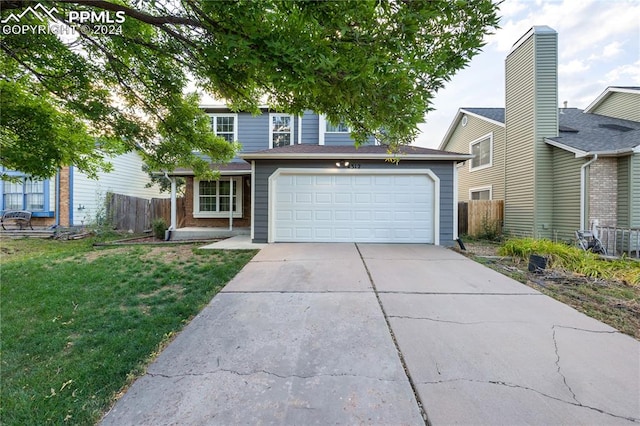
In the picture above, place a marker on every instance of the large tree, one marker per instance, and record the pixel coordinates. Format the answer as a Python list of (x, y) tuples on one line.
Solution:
[(70, 99)]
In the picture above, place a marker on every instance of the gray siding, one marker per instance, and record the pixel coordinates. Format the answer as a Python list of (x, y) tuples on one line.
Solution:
[(566, 194), (620, 105), (492, 176), (265, 168), (253, 131), (338, 139), (310, 127)]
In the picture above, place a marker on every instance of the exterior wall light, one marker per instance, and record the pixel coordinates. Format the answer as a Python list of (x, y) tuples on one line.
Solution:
[(342, 163)]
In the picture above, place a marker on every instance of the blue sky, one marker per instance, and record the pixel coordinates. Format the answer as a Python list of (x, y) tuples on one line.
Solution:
[(598, 46)]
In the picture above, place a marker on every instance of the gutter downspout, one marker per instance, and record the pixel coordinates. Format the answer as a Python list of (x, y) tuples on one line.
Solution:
[(583, 196), (299, 129)]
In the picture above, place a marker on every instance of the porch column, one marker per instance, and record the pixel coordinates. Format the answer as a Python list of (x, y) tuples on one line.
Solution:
[(231, 203), (174, 206)]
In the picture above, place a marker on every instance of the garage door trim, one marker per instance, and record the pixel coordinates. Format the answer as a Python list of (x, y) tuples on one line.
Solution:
[(310, 171)]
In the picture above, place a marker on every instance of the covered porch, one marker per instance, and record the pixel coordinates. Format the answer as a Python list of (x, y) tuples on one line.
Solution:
[(212, 209)]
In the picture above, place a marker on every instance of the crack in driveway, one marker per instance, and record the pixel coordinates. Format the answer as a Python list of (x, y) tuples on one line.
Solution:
[(526, 388), (252, 373)]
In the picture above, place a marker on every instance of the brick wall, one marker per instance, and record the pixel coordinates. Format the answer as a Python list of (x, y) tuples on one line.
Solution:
[(245, 221), (603, 191), (64, 197)]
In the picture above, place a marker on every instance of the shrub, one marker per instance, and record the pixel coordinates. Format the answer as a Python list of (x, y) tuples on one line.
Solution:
[(573, 259), (159, 227)]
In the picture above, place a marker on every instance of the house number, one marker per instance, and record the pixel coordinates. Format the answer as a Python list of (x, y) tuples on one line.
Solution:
[(354, 165)]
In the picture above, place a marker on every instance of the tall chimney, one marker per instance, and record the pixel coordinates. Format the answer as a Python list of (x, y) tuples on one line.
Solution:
[(531, 114)]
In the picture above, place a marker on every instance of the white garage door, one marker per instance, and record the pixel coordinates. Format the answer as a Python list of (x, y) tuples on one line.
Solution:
[(378, 208)]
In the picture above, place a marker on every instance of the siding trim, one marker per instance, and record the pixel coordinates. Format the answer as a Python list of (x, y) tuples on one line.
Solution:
[(284, 170), (482, 188)]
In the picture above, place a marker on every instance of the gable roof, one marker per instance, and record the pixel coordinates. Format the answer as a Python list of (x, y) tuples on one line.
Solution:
[(350, 152), (580, 132), (586, 134), (607, 92), (492, 115)]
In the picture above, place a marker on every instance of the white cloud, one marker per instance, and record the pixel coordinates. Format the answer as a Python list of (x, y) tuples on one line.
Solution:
[(574, 67), (624, 75), (609, 51)]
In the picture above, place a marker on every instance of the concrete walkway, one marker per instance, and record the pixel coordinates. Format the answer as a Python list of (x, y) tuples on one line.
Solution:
[(351, 334)]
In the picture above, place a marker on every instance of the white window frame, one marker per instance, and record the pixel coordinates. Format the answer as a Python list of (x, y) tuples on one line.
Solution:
[(237, 192), (235, 124), (481, 189), (328, 123), (476, 142), (24, 195), (291, 125)]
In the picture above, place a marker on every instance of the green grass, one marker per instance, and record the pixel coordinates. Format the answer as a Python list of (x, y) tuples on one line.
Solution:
[(79, 324), (574, 259)]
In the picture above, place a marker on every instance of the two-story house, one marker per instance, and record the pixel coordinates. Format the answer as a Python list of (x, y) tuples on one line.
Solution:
[(557, 169), (301, 179)]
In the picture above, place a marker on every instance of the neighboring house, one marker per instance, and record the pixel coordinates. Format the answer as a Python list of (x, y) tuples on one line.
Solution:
[(71, 198), (557, 169), (301, 179)]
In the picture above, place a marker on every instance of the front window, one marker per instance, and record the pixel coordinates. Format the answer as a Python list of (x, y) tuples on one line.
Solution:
[(482, 149), (281, 130), (224, 125), (213, 198), (26, 194), (341, 127)]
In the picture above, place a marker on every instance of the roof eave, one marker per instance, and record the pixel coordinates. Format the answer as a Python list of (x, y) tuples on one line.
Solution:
[(353, 156), (605, 94), (222, 173), (578, 152), (456, 121)]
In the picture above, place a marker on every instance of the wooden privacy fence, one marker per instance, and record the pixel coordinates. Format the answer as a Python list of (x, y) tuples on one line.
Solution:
[(161, 209), (125, 212), (480, 218)]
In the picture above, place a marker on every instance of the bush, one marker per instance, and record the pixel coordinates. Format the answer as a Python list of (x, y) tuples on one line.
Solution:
[(573, 259), (159, 227)]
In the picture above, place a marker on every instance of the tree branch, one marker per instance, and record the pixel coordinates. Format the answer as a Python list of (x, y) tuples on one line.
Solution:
[(136, 14)]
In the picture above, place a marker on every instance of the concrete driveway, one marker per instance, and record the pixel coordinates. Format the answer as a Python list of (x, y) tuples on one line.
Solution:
[(390, 335)]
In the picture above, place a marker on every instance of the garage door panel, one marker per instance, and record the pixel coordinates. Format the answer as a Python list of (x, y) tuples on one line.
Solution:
[(354, 208)]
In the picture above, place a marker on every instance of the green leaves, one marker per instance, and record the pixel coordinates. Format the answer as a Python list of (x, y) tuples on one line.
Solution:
[(374, 64)]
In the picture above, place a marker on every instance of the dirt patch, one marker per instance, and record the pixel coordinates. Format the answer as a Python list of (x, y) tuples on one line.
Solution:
[(96, 254), (612, 302), (169, 254), (174, 289)]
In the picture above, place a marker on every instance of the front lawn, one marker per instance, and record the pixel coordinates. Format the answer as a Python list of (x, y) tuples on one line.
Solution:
[(79, 324)]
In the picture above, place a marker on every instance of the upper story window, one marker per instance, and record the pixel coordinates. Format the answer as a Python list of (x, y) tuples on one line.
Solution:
[(482, 148), (280, 130), (225, 126), (26, 194), (341, 127)]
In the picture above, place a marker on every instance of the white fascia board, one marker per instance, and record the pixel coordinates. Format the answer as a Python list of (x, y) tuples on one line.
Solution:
[(578, 152), (222, 173), (454, 124), (352, 156), (610, 153), (605, 94)]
